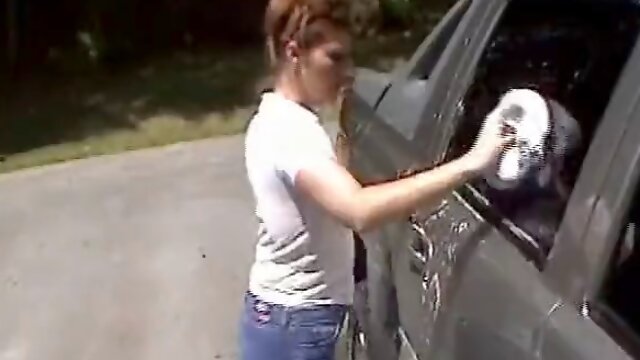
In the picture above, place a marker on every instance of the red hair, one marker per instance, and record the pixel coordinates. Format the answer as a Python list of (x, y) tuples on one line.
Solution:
[(303, 21)]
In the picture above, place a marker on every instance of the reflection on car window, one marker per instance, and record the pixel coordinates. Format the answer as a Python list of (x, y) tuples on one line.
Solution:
[(570, 53)]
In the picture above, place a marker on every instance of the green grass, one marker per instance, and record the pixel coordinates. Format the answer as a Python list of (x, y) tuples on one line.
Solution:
[(154, 131), (184, 97)]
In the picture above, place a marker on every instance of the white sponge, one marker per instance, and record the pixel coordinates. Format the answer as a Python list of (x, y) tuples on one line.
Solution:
[(527, 113)]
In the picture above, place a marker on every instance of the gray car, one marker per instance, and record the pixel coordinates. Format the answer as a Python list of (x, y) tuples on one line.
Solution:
[(526, 273)]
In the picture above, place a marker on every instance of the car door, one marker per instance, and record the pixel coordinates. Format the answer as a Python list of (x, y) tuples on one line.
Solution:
[(583, 325), (494, 296), (406, 264), (383, 145), (484, 290)]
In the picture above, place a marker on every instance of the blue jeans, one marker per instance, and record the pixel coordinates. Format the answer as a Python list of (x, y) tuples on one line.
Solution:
[(275, 332)]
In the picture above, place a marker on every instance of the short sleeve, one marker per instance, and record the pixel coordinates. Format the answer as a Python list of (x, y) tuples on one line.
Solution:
[(309, 149)]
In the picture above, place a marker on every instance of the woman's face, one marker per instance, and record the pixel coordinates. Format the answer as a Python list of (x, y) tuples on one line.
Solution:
[(326, 69)]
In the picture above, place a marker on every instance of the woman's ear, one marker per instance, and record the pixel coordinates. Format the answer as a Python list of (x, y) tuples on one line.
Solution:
[(292, 51)]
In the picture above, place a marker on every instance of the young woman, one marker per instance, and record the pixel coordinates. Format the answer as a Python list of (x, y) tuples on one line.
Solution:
[(307, 203)]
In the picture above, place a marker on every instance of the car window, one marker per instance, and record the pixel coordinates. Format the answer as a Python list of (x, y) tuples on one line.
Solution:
[(431, 50), (402, 106), (572, 54)]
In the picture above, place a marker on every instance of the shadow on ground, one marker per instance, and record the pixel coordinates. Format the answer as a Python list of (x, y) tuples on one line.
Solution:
[(187, 85), (185, 96)]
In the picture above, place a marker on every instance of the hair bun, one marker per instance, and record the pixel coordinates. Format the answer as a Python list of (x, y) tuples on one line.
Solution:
[(289, 19)]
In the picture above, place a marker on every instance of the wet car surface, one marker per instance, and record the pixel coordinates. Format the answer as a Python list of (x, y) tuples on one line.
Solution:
[(523, 273)]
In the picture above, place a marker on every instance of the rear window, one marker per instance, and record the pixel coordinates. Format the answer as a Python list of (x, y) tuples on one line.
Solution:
[(570, 51)]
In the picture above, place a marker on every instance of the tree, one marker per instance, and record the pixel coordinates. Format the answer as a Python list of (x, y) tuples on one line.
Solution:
[(12, 34), (365, 16)]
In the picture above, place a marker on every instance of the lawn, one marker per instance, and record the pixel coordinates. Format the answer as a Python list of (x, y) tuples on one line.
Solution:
[(183, 97)]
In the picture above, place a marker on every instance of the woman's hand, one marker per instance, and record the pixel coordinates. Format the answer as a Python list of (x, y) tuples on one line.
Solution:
[(494, 137)]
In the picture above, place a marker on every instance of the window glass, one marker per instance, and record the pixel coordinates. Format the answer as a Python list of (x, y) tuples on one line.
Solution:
[(402, 106), (571, 53), (440, 38)]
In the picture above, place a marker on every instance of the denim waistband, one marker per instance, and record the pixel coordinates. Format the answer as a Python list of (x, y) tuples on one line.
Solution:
[(282, 315)]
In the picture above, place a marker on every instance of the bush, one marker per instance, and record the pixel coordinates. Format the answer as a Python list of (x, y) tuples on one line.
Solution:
[(64, 35), (412, 13), (109, 31)]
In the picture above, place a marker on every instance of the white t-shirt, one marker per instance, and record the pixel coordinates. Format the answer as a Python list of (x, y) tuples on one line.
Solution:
[(304, 255)]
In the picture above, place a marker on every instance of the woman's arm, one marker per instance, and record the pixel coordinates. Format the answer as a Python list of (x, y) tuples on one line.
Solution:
[(362, 208)]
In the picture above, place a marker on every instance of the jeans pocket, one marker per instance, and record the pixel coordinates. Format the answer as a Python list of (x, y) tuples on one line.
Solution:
[(317, 336), (318, 326), (315, 342)]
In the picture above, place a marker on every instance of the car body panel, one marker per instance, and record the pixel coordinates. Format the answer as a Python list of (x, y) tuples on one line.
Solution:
[(370, 85), (570, 331), (485, 314), (581, 328), (462, 289), (425, 296), (374, 133), (571, 335)]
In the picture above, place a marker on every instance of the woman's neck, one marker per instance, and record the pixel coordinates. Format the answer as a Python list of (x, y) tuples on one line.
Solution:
[(292, 91)]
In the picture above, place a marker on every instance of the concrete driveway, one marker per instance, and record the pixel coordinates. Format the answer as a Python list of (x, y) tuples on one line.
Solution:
[(137, 256)]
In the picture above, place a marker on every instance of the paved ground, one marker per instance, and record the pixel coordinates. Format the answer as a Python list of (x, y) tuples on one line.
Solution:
[(137, 256)]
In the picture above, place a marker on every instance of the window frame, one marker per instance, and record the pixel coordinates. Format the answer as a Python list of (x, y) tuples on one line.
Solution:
[(588, 233), (588, 238), (466, 47), (428, 54), (598, 153), (617, 195), (620, 189), (411, 90)]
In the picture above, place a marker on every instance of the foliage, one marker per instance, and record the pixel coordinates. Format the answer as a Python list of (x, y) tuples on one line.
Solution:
[(67, 35), (167, 99), (412, 13), (110, 32)]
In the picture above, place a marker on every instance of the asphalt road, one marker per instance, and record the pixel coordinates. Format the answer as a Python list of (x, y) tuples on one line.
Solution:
[(140, 256), (137, 256)]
